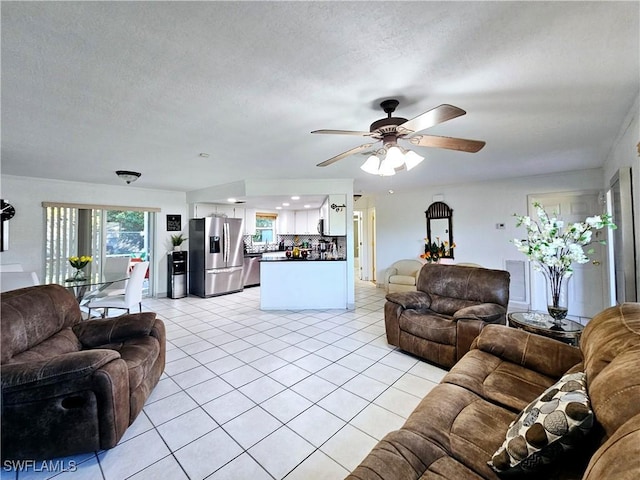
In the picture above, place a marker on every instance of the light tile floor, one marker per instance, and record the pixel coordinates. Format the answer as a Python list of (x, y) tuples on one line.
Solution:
[(251, 394)]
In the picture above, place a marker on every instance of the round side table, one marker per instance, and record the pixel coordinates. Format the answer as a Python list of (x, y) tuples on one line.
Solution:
[(542, 324)]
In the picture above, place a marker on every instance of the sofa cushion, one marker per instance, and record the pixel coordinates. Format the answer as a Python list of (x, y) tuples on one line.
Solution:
[(611, 346), (476, 285), (32, 315), (552, 423), (450, 431), (619, 457), (429, 325), (64, 341), (502, 382), (468, 428), (402, 279)]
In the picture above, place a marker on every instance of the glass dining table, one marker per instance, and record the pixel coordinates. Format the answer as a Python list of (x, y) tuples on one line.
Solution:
[(88, 288)]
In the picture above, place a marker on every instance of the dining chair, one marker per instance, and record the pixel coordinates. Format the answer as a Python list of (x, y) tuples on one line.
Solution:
[(14, 280), (132, 293), (115, 268)]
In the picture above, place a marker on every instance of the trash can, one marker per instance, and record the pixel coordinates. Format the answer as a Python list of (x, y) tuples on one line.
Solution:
[(177, 274)]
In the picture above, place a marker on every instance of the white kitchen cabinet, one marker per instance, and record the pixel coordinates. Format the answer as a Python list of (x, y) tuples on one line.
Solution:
[(306, 222), (249, 221), (335, 220), (324, 209), (228, 210), (201, 210), (286, 222), (313, 216)]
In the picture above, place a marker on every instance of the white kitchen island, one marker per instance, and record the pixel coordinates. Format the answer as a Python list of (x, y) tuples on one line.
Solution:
[(303, 284)]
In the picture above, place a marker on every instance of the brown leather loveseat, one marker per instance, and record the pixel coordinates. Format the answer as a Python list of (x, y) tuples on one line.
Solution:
[(461, 424), (71, 386), (452, 304)]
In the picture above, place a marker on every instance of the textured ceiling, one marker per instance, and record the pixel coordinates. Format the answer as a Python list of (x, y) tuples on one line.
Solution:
[(92, 87)]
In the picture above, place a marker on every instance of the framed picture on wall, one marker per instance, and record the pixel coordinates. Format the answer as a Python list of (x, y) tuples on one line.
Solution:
[(174, 223)]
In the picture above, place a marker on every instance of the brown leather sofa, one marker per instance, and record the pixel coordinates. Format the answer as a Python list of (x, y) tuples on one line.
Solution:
[(462, 422), (452, 304), (71, 386)]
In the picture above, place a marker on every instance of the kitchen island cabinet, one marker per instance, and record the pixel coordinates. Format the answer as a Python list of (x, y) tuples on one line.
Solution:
[(303, 284)]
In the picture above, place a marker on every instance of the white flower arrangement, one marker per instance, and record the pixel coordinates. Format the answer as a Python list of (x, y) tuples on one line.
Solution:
[(554, 247)]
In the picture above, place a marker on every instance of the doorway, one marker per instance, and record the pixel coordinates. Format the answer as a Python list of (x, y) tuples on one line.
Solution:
[(364, 228), (357, 244), (587, 292)]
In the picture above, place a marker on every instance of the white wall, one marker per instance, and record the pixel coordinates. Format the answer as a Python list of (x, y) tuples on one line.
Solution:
[(477, 208), (27, 228)]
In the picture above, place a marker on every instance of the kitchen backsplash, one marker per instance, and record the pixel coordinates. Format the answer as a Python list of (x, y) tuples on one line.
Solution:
[(293, 240)]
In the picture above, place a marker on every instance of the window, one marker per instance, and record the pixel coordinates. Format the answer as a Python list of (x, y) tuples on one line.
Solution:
[(102, 232), (265, 228)]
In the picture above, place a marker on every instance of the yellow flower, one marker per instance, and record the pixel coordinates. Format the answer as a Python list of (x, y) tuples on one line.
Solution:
[(80, 262)]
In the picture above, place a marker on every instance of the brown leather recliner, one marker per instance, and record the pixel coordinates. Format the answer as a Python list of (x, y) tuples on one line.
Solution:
[(452, 304), (71, 386)]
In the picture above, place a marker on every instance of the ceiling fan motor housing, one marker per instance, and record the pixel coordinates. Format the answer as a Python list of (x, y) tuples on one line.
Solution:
[(386, 122), (386, 126)]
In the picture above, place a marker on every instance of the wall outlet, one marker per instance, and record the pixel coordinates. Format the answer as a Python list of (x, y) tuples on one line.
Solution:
[(500, 226)]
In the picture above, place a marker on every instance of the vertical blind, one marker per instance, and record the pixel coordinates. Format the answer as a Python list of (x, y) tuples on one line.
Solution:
[(65, 226)]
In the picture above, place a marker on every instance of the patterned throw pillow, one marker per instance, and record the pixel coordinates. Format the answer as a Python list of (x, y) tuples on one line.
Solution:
[(551, 424)]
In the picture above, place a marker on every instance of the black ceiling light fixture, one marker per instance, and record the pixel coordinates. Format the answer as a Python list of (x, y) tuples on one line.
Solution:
[(128, 176)]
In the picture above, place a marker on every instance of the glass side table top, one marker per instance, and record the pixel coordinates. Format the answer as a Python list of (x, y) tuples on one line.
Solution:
[(542, 324), (544, 321)]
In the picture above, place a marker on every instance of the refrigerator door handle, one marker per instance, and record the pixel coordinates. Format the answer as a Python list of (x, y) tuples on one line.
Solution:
[(226, 243)]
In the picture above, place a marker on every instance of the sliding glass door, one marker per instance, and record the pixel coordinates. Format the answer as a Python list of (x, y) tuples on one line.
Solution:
[(106, 234)]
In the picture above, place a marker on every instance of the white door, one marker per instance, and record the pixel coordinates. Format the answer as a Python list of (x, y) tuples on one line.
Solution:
[(586, 287)]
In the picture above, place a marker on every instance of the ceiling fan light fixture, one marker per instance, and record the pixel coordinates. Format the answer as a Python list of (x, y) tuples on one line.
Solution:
[(371, 165), (394, 157), (128, 176), (386, 168), (411, 159)]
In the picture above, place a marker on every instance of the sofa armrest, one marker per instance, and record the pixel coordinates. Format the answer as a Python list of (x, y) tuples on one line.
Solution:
[(471, 320), (544, 355), (59, 369), (388, 273), (410, 300), (94, 333), (485, 312)]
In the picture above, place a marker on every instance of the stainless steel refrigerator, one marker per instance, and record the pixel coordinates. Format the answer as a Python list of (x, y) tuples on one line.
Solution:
[(216, 256)]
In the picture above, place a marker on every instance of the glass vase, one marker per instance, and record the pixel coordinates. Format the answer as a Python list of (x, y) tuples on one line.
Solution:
[(79, 275), (557, 296)]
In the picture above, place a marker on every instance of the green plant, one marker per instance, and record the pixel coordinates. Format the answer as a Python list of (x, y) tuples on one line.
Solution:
[(176, 240)]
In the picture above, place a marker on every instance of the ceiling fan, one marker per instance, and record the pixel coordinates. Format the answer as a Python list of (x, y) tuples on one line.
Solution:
[(391, 129)]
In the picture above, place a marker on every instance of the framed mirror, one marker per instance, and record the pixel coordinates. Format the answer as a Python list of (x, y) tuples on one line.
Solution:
[(440, 224)]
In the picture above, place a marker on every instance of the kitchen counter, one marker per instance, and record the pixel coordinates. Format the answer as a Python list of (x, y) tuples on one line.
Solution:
[(303, 284), (308, 259)]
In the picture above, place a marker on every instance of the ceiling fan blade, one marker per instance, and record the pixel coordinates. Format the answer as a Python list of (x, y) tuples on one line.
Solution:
[(433, 117), (342, 155), (460, 144), (342, 132)]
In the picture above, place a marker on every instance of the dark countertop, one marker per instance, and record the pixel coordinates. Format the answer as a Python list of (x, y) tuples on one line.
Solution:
[(280, 259)]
